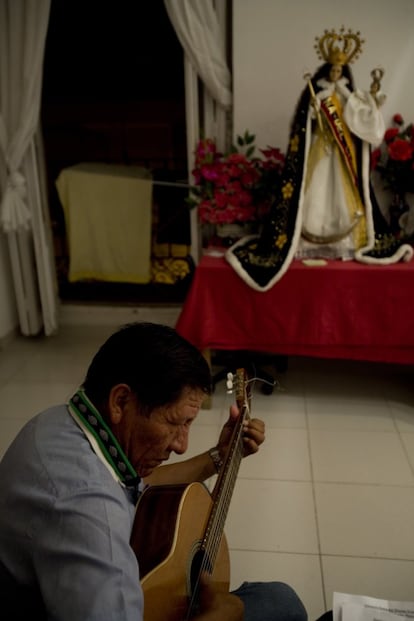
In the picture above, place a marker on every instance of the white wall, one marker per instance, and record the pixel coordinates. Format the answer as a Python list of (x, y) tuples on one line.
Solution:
[(8, 312), (273, 46)]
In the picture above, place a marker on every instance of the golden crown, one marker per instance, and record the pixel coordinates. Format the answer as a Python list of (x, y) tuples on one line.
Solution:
[(339, 48)]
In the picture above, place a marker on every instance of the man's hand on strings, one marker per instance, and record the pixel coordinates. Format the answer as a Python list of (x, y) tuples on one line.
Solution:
[(253, 433)]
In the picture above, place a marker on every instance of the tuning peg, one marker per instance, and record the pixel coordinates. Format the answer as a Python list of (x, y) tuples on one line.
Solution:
[(229, 383)]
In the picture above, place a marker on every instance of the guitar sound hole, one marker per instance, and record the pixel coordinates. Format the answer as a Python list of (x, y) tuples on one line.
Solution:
[(199, 564)]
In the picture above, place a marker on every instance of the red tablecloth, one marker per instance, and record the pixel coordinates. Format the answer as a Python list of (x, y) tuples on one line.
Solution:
[(340, 310)]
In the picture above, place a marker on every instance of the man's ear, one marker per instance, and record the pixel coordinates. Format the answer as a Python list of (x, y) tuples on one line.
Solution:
[(119, 395)]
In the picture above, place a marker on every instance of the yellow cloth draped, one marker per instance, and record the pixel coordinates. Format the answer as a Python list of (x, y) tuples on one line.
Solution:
[(107, 212)]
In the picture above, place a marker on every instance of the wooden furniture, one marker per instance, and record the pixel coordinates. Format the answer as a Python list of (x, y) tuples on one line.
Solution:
[(343, 310)]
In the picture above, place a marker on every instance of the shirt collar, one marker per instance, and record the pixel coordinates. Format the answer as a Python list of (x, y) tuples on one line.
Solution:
[(102, 440)]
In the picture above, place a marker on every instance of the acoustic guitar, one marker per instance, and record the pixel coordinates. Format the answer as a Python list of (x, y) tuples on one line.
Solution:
[(178, 532)]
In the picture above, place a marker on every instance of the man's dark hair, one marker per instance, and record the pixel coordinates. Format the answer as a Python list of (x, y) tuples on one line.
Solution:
[(155, 362)]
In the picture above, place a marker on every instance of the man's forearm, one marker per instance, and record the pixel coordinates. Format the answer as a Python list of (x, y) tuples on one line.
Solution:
[(197, 468)]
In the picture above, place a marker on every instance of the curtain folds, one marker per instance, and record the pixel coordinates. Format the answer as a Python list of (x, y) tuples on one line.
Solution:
[(201, 28), (23, 27), (24, 214), (198, 31)]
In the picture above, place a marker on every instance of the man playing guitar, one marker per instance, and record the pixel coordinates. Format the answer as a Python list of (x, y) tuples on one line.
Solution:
[(70, 481)]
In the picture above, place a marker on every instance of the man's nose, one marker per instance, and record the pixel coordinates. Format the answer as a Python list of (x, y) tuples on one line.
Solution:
[(179, 443)]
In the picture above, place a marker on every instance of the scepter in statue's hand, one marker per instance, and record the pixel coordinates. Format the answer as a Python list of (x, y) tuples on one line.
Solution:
[(377, 74), (307, 76), (315, 104)]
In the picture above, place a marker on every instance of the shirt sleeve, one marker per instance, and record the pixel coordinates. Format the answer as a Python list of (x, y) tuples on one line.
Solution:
[(86, 567)]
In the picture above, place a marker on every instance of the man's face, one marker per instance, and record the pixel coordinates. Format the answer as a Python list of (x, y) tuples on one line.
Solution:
[(148, 441)]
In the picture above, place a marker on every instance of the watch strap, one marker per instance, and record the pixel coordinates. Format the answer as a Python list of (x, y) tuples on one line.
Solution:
[(215, 456)]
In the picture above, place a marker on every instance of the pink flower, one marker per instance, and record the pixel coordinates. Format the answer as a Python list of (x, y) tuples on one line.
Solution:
[(236, 187), (209, 172), (205, 147)]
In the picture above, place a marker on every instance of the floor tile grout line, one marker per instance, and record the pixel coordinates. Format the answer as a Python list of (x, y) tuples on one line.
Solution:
[(324, 554), (318, 535), (402, 443)]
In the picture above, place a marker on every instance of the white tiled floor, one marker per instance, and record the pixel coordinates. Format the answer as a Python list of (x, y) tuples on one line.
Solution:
[(328, 503)]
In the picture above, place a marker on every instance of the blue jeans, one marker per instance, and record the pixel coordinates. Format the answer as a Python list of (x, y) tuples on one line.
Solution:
[(270, 601)]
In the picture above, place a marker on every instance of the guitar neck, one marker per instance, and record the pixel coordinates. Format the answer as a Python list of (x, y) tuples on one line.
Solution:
[(224, 487)]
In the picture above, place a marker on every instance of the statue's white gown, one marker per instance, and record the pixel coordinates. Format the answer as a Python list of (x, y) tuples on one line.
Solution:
[(333, 212)]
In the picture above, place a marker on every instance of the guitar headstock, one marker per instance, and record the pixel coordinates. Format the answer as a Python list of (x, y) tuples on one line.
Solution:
[(239, 384)]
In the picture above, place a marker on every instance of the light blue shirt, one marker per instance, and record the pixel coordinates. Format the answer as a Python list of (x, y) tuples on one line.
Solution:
[(65, 523)]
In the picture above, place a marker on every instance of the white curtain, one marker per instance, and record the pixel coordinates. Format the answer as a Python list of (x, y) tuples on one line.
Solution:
[(201, 28), (23, 209), (199, 32)]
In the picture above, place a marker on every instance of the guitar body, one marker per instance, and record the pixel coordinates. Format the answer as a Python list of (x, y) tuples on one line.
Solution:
[(169, 526)]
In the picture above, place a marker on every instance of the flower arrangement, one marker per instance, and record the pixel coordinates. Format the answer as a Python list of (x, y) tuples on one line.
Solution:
[(237, 186), (394, 159)]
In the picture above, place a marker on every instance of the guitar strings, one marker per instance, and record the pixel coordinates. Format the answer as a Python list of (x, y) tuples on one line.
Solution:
[(215, 536), (233, 464), (214, 532), (222, 508)]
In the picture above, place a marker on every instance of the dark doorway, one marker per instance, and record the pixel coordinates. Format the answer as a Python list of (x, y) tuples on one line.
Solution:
[(113, 91)]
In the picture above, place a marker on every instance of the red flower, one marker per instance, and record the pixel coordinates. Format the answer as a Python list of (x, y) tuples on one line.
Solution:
[(197, 176), (272, 153), (400, 150), (221, 199), (394, 159), (375, 156), (249, 178), (206, 212), (245, 198), (235, 171), (236, 158), (390, 134), (234, 187)]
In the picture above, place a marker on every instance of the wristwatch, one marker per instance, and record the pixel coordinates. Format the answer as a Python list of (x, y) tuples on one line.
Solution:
[(216, 458)]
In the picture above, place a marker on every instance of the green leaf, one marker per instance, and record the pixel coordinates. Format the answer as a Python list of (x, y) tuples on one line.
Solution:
[(250, 138), (190, 202)]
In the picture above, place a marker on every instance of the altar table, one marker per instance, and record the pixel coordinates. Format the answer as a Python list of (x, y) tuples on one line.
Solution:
[(342, 310)]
